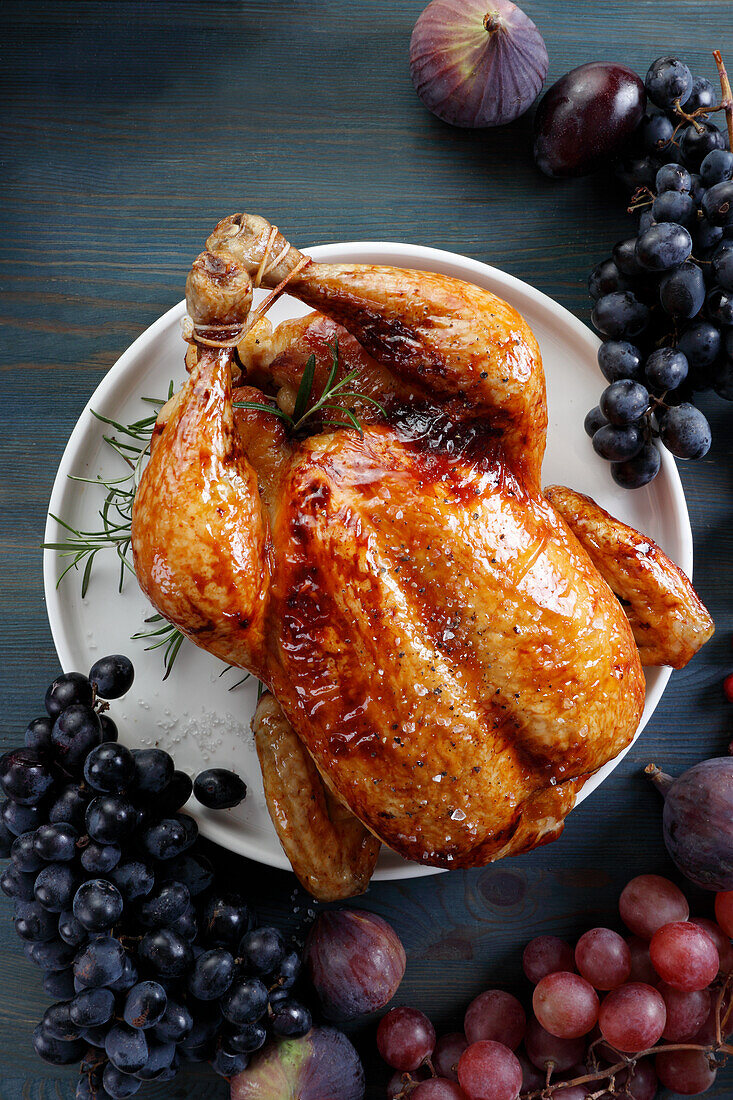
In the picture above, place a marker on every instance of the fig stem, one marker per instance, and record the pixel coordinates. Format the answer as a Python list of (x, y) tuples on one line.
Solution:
[(492, 21), (727, 103), (660, 779)]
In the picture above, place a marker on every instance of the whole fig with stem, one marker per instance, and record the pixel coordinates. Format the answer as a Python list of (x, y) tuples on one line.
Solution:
[(477, 63), (698, 821), (356, 962)]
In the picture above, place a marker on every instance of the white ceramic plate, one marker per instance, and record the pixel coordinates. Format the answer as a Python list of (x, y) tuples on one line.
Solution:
[(194, 714)]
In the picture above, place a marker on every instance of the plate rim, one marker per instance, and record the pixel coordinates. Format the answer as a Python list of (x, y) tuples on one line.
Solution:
[(213, 829)]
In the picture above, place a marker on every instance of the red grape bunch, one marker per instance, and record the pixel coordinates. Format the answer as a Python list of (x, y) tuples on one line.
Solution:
[(664, 299), (618, 1015)]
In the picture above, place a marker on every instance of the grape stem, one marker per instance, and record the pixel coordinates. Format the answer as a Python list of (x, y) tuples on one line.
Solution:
[(609, 1073), (727, 104)]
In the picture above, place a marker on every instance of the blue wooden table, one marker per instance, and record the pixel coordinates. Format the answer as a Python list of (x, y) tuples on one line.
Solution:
[(128, 129)]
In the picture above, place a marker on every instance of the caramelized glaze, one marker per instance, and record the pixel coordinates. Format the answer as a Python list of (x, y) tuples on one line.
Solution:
[(447, 651)]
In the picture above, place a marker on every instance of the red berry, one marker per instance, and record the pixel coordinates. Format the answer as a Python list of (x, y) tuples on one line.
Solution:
[(728, 687)]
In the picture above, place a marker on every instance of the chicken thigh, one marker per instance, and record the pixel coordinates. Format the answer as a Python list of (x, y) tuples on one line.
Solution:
[(444, 647)]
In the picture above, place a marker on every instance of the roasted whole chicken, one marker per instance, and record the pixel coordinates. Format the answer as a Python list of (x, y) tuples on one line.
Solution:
[(449, 651)]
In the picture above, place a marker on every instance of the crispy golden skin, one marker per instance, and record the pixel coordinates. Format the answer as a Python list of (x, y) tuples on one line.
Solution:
[(444, 647), (669, 621), (329, 849)]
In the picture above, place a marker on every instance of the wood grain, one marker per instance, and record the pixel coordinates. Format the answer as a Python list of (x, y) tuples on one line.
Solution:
[(127, 131)]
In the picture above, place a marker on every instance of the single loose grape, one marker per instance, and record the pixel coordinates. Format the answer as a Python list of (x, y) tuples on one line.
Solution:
[(663, 247), (721, 941), (546, 955), (112, 676), (438, 1088), (685, 1071), (684, 955), (489, 1071), (685, 431), (673, 177), (495, 1015), (636, 472), (219, 788), (682, 292), (620, 359), (448, 1050), (617, 444), (666, 368), (668, 81), (405, 1038), (632, 1017), (565, 1004), (648, 902), (543, 1048), (603, 958), (686, 1012)]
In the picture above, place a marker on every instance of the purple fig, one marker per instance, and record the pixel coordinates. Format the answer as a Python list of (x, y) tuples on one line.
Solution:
[(477, 63), (698, 821), (356, 962), (321, 1066)]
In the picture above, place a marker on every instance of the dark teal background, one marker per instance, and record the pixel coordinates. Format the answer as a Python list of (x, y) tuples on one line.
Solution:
[(127, 131)]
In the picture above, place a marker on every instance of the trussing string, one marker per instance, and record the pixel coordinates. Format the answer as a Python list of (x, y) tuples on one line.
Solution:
[(197, 334), (263, 307)]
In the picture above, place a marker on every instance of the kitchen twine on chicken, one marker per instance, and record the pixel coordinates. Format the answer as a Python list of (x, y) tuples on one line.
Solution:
[(194, 334)]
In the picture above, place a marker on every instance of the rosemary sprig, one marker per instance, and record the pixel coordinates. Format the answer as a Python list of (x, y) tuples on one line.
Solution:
[(164, 634), (304, 411), (131, 443)]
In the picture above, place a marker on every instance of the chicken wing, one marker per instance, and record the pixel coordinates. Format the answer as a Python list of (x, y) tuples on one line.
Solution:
[(329, 849), (669, 621)]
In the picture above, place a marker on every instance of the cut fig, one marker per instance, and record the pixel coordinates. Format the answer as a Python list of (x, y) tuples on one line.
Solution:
[(323, 1065)]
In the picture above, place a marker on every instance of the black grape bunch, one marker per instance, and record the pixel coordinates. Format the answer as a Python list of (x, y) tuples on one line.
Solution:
[(664, 299), (150, 962)]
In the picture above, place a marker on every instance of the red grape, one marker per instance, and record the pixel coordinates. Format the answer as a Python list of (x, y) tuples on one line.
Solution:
[(543, 1048), (405, 1038), (708, 1033), (495, 1015), (566, 1005), (438, 1088), (724, 911), (686, 1012), (448, 1050), (641, 965), (547, 955), (632, 1018), (720, 939), (685, 1071), (684, 955), (648, 902), (396, 1083), (532, 1078), (640, 1082), (571, 1092), (489, 1071), (603, 958)]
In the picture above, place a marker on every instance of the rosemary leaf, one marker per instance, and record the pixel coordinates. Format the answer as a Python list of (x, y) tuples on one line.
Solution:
[(304, 390)]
